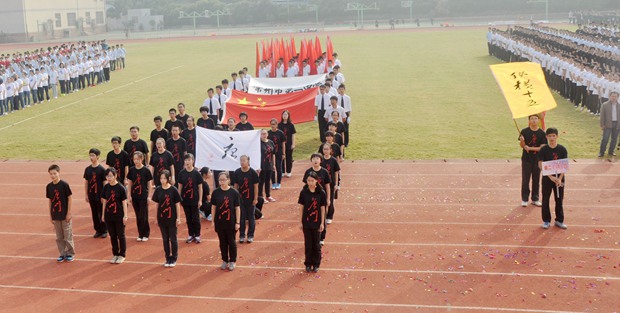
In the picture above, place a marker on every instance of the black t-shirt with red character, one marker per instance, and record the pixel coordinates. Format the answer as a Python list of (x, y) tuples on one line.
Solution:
[(246, 181), (166, 200), (332, 166), (139, 182), (59, 195), (132, 146), (190, 138), (312, 201), (278, 138), (289, 130), (191, 182), (160, 162), (532, 139), (95, 176), (178, 148), (225, 202), (267, 149), (547, 153), (114, 196), (119, 162), (324, 178)]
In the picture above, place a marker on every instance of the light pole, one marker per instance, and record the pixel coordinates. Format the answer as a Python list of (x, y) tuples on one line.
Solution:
[(360, 8), (546, 2), (316, 10), (217, 14), (408, 4), (193, 15)]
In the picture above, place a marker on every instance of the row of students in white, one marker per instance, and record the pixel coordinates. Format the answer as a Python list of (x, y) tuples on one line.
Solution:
[(323, 65)]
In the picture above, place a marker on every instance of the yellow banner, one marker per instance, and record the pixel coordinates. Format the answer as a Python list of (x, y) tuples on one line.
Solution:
[(524, 87)]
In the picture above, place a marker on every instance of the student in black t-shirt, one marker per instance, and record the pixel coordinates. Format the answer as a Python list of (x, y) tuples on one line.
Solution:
[(161, 159), (205, 121), (312, 202), (279, 142), (190, 188), (332, 127), (178, 147), (173, 121), (246, 183), (205, 209), (226, 215), (139, 186), (94, 178), (182, 116), (288, 128), (136, 144), (244, 124), (168, 216), (158, 132), (267, 166), (59, 194), (118, 159), (230, 125), (114, 198), (330, 164), (323, 177), (555, 183), (189, 134), (335, 148), (532, 138)]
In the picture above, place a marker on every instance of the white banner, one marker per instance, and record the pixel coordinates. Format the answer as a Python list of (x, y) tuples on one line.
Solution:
[(555, 167), (276, 86), (221, 150)]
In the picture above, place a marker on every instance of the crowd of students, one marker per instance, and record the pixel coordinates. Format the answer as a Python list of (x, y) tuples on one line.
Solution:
[(33, 77), (164, 173)]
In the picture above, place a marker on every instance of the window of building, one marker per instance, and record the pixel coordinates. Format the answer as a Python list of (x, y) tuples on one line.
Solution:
[(87, 17), (71, 19), (58, 21), (99, 17)]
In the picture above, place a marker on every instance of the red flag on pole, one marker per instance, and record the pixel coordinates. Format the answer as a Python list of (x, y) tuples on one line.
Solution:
[(293, 47), (257, 59), (330, 49)]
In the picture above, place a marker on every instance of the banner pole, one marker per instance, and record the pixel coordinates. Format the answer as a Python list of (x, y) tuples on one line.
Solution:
[(517, 126)]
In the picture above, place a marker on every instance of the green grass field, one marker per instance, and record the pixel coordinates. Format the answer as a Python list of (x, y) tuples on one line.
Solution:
[(416, 95)]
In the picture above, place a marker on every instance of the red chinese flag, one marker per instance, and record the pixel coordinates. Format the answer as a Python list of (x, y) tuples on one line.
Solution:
[(262, 108), (330, 49)]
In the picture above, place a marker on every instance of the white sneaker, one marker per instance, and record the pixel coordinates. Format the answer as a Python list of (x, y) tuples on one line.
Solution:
[(322, 242), (166, 264), (139, 239), (120, 259), (145, 239), (328, 221), (537, 203), (231, 266), (523, 203), (560, 225), (113, 261)]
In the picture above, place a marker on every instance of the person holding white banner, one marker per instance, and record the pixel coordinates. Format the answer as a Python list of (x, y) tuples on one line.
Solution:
[(554, 182)]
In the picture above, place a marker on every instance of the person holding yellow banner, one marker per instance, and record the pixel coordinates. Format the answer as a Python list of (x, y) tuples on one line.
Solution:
[(532, 139)]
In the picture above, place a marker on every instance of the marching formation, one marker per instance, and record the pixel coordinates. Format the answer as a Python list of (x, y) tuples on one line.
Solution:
[(31, 78), (164, 174)]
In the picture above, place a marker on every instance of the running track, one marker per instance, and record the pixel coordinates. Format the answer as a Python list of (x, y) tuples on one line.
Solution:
[(428, 236)]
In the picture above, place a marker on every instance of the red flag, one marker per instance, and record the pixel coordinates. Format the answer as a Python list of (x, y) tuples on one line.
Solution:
[(273, 60), (264, 50), (257, 60), (312, 57), (293, 47), (317, 47), (262, 108), (330, 49), (302, 53)]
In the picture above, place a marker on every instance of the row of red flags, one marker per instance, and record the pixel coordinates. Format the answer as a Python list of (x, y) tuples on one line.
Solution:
[(273, 50)]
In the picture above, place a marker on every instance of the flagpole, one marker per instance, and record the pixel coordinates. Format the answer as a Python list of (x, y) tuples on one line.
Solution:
[(517, 126)]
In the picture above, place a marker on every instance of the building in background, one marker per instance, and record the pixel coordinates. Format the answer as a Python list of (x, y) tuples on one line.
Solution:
[(36, 20)]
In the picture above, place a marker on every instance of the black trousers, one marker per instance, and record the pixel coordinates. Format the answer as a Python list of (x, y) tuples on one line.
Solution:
[(192, 218), (547, 187), (263, 180), (288, 161), (171, 245), (346, 133), (106, 73), (82, 81), (117, 237), (276, 177), (322, 124), (530, 170), (228, 245), (141, 208), (96, 209), (312, 247)]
